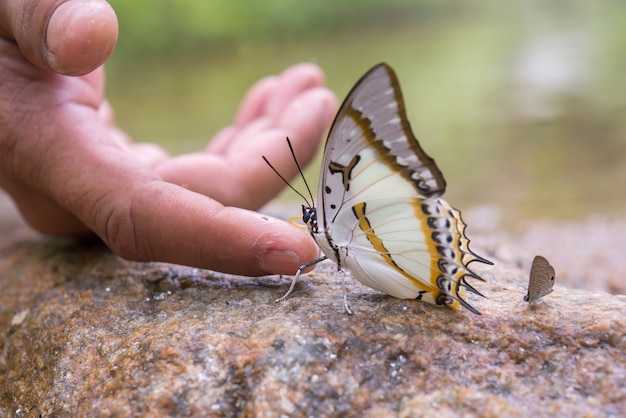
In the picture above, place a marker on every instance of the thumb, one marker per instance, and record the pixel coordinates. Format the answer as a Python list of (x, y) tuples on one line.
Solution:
[(71, 37)]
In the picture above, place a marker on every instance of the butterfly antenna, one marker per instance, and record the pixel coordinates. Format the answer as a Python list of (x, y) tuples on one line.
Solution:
[(285, 180), (293, 154)]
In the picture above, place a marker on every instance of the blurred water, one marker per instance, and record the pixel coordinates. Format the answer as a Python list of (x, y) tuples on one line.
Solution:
[(521, 108), (550, 68)]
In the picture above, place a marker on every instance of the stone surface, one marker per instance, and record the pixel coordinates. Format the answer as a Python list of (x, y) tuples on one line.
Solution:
[(84, 333)]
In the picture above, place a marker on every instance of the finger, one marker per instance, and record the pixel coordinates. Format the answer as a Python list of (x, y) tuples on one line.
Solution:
[(169, 223), (69, 37), (147, 154), (266, 100), (292, 82), (271, 95), (143, 218), (220, 142), (42, 213), (157, 221), (241, 177), (304, 121), (254, 102), (251, 108)]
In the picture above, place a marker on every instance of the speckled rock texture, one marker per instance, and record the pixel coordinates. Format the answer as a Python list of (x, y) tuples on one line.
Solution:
[(85, 333)]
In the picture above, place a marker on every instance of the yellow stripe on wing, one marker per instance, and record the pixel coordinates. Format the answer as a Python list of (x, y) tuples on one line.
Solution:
[(379, 246)]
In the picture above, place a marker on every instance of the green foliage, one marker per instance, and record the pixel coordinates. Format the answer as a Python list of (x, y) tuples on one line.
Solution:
[(149, 27)]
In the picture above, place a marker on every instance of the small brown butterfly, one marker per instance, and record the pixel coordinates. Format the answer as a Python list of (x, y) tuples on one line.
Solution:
[(542, 278)]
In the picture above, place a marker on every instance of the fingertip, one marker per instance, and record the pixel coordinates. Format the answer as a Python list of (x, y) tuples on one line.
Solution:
[(255, 100), (80, 36), (280, 262), (306, 71), (317, 106), (286, 256), (170, 223), (330, 106)]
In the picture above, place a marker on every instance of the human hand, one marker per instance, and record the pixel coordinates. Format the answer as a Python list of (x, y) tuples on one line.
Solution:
[(71, 171)]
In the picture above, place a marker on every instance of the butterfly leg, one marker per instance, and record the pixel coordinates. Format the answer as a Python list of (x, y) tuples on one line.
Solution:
[(345, 293), (295, 278)]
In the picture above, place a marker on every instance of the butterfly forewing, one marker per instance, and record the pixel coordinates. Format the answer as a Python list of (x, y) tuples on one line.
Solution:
[(371, 127)]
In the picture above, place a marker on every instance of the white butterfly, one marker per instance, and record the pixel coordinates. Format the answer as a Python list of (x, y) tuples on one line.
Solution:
[(381, 215)]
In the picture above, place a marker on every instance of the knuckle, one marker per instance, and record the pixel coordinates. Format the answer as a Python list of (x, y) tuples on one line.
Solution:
[(118, 226)]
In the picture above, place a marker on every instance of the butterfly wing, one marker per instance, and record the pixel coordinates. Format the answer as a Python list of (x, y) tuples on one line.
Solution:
[(381, 215), (541, 280), (407, 247), (370, 128)]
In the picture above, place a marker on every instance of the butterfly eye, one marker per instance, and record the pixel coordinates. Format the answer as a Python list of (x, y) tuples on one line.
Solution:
[(307, 214)]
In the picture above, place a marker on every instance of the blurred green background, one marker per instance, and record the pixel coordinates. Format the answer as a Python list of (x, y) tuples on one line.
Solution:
[(522, 104)]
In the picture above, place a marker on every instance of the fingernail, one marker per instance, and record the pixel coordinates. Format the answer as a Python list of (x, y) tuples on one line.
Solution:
[(280, 262)]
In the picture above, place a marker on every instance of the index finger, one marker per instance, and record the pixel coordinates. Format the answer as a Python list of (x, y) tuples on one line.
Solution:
[(143, 218)]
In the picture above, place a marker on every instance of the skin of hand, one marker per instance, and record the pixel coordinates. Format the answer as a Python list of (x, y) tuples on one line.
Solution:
[(70, 171)]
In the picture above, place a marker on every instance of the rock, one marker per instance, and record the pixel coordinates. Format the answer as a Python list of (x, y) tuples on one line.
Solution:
[(10, 221), (86, 333)]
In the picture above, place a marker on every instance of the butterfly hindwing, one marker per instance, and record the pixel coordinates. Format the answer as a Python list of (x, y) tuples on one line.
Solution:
[(407, 247)]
